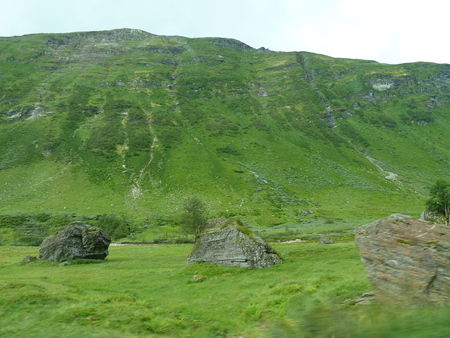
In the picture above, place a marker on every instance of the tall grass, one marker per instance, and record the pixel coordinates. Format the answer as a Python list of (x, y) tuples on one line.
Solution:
[(147, 291), (141, 291)]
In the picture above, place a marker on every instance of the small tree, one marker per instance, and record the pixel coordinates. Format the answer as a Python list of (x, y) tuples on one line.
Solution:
[(192, 219), (440, 199)]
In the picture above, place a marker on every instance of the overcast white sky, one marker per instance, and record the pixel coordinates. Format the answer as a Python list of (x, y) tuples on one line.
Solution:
[(388, 31)]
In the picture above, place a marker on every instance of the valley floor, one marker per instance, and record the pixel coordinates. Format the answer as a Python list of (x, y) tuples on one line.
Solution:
[(147, 291)]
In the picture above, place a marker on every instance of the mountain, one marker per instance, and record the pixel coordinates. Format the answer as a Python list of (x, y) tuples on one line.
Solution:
[(132, 123)]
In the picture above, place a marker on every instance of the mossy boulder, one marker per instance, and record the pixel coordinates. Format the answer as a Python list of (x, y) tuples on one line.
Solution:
[(228, 243), (77, 240)]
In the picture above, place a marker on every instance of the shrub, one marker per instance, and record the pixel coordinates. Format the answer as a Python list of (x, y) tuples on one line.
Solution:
[(10, 221), (440, 199), (115, 226), (193, 219)]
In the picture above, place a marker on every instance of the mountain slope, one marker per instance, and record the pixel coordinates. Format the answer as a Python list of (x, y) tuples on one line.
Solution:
[(128, 122)]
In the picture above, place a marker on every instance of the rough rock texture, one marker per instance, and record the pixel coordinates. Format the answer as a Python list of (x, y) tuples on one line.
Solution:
[(433, 216), (407, 260), (230, 244), (366, 298), (77, 240)]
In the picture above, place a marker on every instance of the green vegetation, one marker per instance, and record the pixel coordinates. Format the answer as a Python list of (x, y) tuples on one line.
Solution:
[(405, 242), (31, 228), (118, 128), (134, 123), (192, 218), (146, 291), (439, 201)]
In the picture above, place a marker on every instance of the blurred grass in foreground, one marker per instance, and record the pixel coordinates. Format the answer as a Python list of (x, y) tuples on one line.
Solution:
[(146, 291)]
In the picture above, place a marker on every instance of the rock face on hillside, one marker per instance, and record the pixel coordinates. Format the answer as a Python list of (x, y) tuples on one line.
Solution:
[(230, 244), (77, 240), (407, 260)]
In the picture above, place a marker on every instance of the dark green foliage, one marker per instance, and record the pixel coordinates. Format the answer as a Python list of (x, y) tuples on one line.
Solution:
[(192, 218), (160, 220), (105, 139), (31, 229), (349, 132), (170, 137), (228, 149), (259, 124), (192, 112), (219, 125), (162, 117), (417, 116), (440, 199), (60, 221), (139, 136), (10, 221), (380, 120), (43, 217), (115, 226)]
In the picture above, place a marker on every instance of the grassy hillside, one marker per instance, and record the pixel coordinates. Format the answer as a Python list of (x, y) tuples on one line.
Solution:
[(131, 123)]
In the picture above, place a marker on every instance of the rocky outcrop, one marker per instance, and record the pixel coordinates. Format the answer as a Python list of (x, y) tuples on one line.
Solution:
[(77, 240), (433, 216), (230, 44), (407, 260), (230, 244)]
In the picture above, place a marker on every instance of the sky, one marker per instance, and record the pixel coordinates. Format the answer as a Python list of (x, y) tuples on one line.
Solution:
[(387, 31)]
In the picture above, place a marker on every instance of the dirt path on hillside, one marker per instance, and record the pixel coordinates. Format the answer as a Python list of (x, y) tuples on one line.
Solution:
[(136, 190)]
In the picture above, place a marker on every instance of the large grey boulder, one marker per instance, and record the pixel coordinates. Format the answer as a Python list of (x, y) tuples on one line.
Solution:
[(230, 244), (77, 240), (407, 260)]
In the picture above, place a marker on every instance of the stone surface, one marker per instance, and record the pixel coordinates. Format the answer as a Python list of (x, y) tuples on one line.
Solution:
[(29, 259), (407, 260), (366, 298), (433, 216), (198, 278), (325, 240), (77, 240), (230, 244)]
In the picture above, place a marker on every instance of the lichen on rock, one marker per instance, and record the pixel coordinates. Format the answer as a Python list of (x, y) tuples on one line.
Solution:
[(227, 244), (406, 259), (77, 240)]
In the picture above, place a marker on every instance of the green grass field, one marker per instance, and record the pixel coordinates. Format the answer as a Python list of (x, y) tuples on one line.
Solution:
[(146, 291)]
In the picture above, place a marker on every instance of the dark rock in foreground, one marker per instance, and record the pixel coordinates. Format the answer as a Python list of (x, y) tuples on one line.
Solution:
[(407, 260), (230, 244), (77, 240)]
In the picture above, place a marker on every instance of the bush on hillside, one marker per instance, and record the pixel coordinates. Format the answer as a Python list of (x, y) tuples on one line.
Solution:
[(439, 200)]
